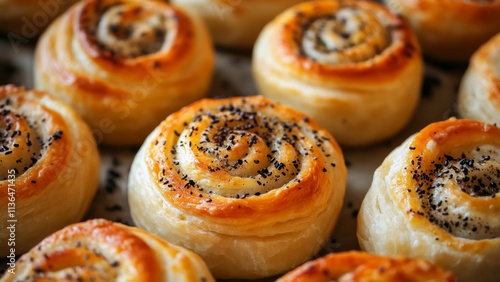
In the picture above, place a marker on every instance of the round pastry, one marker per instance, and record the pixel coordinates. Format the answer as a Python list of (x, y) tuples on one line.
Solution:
[(479, 94), (26, 19), (352, 65), (252, 186), (437, 197), (99, 250), (125, 65), (450, 30), (236, 23), (49, 167), (358, 266)]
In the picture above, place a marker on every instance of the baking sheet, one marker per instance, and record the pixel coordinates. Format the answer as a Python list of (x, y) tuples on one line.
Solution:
[(233, 78)]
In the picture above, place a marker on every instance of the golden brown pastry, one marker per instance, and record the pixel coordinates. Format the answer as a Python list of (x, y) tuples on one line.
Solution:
[(236, 23), (437, 197), (99, 250), (23, 20), (125, 65), (352, 65), (450, 30), (252, 186), (479, 94), (49, 167), (358, 266)]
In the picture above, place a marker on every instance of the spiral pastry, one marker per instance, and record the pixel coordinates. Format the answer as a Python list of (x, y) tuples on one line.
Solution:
[(450, 30), (254, 187), (437, 197), (358, 266), (49, 167), (125, 65), (352, 65), (99, 250), (479, 94), (236, 23)]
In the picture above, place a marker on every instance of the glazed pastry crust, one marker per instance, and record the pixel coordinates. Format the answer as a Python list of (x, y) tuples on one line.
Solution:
[(436, 197), (100, 250), (254, 187), (352, 65), (125, 65), (479, 94), (236, 23), (358, 266), (51, 156), (450, 30)]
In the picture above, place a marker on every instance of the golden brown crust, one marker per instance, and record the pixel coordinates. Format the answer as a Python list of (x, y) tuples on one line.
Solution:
[(440, 188), (239, 174), (358, 266), (115, 61), (450, 30), (346, 63), (48, 154), (106, 251)]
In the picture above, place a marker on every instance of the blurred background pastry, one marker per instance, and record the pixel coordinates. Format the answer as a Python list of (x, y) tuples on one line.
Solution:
[(252, 186), (437, 196), (125, 65), (352, 65), (49, 167)]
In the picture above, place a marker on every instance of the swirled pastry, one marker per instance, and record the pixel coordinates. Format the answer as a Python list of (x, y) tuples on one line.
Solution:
[(99, 250), (352, 65), (26, 19), (49, 167), (254, 187), (236, 23), (450, 30), (479, 94), (125, 65), (358, 266), (437, 197)]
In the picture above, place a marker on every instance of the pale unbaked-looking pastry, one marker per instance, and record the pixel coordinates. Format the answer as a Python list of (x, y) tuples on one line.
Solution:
[(49, 167), (125, 65), (236, 23), (358, 266), (450, 30), (23, 20), (437, 197), (352, 65), (252, 186), (479, 94), (100, 250)]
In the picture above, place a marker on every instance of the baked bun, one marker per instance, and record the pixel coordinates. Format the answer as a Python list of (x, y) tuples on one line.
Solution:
[(358, 266), (125, 65), (26, 19), (437, 197), (252, 186), (49, 167), (236, 23), (99, 250), (450, 30), (352, 65), (479, 94)]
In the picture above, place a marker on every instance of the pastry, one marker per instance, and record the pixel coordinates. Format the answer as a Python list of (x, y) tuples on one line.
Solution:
[(125, 65), (352, 65), (479, 94), (236, 23), (358, 266), (49, 167), (252, 186), (99, 250), (26, 19), (437, 197), (450, 30)]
